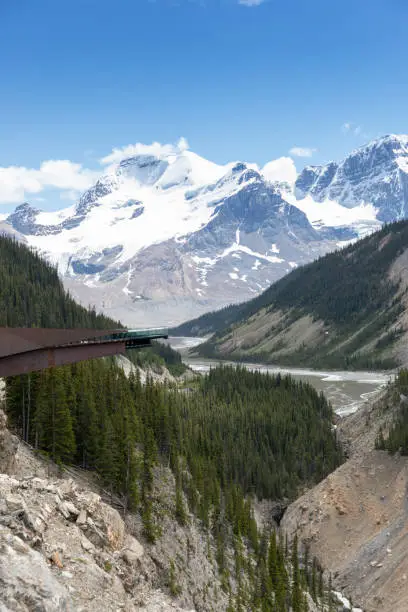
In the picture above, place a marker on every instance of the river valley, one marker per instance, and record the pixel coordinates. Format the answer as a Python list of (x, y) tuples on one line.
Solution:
[(346, 390)]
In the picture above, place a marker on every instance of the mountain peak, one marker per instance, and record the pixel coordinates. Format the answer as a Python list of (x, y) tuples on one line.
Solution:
[(375, 173), (25, 207), (400, 141)]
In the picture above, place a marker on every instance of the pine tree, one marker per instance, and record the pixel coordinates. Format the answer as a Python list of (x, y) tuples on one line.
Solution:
[(181, 514), (320, 588), (149, 457), (296, 589), (313, 588), (63, 440), (330, 594)]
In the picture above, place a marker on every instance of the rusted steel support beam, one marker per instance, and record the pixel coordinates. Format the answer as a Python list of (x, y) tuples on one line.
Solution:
[(32, 361)]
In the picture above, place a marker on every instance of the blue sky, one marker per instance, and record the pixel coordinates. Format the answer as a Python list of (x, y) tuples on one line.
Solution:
[(244, 80)]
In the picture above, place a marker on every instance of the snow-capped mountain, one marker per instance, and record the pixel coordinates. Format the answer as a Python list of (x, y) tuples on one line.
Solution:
[(376, 174), (162, 238)]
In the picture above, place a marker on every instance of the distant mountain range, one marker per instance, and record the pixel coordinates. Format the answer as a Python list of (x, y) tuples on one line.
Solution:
[(163, 238), (348, 309)]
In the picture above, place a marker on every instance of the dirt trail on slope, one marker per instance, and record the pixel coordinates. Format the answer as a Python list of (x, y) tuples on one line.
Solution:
[(356, 520)]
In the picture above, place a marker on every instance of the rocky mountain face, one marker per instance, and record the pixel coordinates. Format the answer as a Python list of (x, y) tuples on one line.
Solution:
[(376, 174), (355, 520), (162, 238)]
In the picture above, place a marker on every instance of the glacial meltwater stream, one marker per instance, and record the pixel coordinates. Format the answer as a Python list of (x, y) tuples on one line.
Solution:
[(347, 390)]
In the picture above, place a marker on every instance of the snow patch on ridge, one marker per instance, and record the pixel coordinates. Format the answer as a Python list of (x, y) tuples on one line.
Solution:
[(126, 289), (55, 217), (332, 214)]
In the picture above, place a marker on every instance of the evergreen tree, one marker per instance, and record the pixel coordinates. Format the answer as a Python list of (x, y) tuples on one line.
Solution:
[(297, 599)]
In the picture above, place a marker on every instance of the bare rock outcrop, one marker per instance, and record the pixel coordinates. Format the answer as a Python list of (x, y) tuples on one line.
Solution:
[(8, 446), (356, 520)]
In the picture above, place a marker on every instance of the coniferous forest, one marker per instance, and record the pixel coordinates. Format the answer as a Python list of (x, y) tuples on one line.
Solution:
[(229, 437), (32, 295)]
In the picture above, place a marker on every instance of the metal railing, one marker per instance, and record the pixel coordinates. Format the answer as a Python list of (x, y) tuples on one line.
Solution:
[(148, 334)]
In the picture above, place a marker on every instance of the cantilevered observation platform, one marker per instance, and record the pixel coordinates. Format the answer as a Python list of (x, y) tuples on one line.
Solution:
[(26, 349)]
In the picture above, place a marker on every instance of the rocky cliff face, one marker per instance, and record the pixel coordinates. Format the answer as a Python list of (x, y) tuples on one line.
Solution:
[(355, 520), (63, 548)]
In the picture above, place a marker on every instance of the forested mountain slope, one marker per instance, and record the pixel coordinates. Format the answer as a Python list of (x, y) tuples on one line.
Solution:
[(32, 295), (347, 309)]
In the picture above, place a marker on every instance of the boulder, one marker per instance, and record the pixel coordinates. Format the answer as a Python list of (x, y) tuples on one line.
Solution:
[(94, 534), (111, 524), (87, 545), (40, 484), (132, 550), (66, 487), (26, 582), (14, 503), (81, 520), (68, 509), (88, 500), (34, 521)]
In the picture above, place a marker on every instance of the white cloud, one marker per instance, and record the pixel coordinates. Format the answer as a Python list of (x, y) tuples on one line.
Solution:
[(17, 182), (351, 128), (250, 2), (302, 151), (64, 174), (156, 148), (282, 169)]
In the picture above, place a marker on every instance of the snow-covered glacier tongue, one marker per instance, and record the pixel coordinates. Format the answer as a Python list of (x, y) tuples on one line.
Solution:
[(166, 235)]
